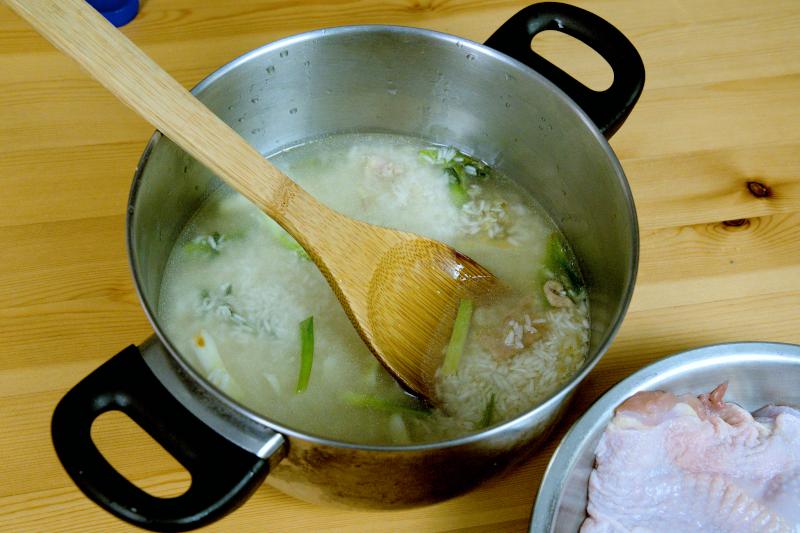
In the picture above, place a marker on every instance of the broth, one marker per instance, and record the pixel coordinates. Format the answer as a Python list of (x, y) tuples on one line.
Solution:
[(237, 289)]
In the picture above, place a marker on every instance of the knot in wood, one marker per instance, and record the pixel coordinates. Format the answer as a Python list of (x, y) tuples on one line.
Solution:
[(758, 189), (735, 223)]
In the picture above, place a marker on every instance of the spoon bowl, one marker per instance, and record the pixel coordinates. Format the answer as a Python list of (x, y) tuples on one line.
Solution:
[(412, 303)]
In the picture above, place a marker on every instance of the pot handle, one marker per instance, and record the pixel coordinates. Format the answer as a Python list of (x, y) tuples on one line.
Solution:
[(223, 474), (608, 109)]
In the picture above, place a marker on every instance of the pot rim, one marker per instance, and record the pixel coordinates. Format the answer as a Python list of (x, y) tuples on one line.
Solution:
[(468, 45)]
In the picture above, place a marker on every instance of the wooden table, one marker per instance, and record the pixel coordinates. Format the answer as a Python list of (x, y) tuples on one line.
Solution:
[(712, 152)]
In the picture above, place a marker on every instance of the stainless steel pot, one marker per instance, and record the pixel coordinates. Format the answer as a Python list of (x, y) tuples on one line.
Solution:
[(368, 79)]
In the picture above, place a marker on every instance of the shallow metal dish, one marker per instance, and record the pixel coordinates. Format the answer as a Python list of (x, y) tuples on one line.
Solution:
[(758, 373)]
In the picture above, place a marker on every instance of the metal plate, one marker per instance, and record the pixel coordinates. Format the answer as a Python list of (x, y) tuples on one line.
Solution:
[(757, 373)]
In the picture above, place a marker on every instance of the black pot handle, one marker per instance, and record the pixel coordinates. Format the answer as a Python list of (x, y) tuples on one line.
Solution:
[(223, 474), (608, 109)]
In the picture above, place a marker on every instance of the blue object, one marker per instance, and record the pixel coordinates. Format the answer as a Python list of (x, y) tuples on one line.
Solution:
[(118, 12)]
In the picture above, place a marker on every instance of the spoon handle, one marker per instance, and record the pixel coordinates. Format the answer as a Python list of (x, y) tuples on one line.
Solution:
[(80, 32)]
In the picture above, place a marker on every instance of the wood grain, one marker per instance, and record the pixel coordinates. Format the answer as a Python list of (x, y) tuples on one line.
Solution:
[(720, 108)]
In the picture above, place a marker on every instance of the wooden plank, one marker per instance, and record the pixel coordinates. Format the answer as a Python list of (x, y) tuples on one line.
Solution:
[(89, 179), (66, 291), (720, 115), (712, 186), (720, 109), (718, 261)]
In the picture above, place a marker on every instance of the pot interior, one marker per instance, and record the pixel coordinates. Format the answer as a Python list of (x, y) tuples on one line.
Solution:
[(409, 82)]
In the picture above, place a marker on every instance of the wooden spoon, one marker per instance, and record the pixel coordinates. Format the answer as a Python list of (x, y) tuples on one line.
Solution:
[(400, 290)]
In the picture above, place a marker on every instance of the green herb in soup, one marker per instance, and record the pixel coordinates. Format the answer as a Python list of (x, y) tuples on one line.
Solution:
[(460, 168), (239, 293), (208, 244), (306, 353), (488, 414), (406, 406), (455, 348)]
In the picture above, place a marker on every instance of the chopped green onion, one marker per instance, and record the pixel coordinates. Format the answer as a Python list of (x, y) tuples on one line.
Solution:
[(289, 243), (460, 169), (205, 243), (561, 264), (306, 352), (455, 348), (488, 413), (458, 194), (431, 155), (284, 239), (380, 404)]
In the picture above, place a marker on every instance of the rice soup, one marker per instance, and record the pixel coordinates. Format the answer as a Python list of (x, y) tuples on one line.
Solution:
[(243, 303)]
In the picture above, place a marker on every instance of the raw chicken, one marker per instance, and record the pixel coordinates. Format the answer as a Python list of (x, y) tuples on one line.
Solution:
[(696, 464)]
